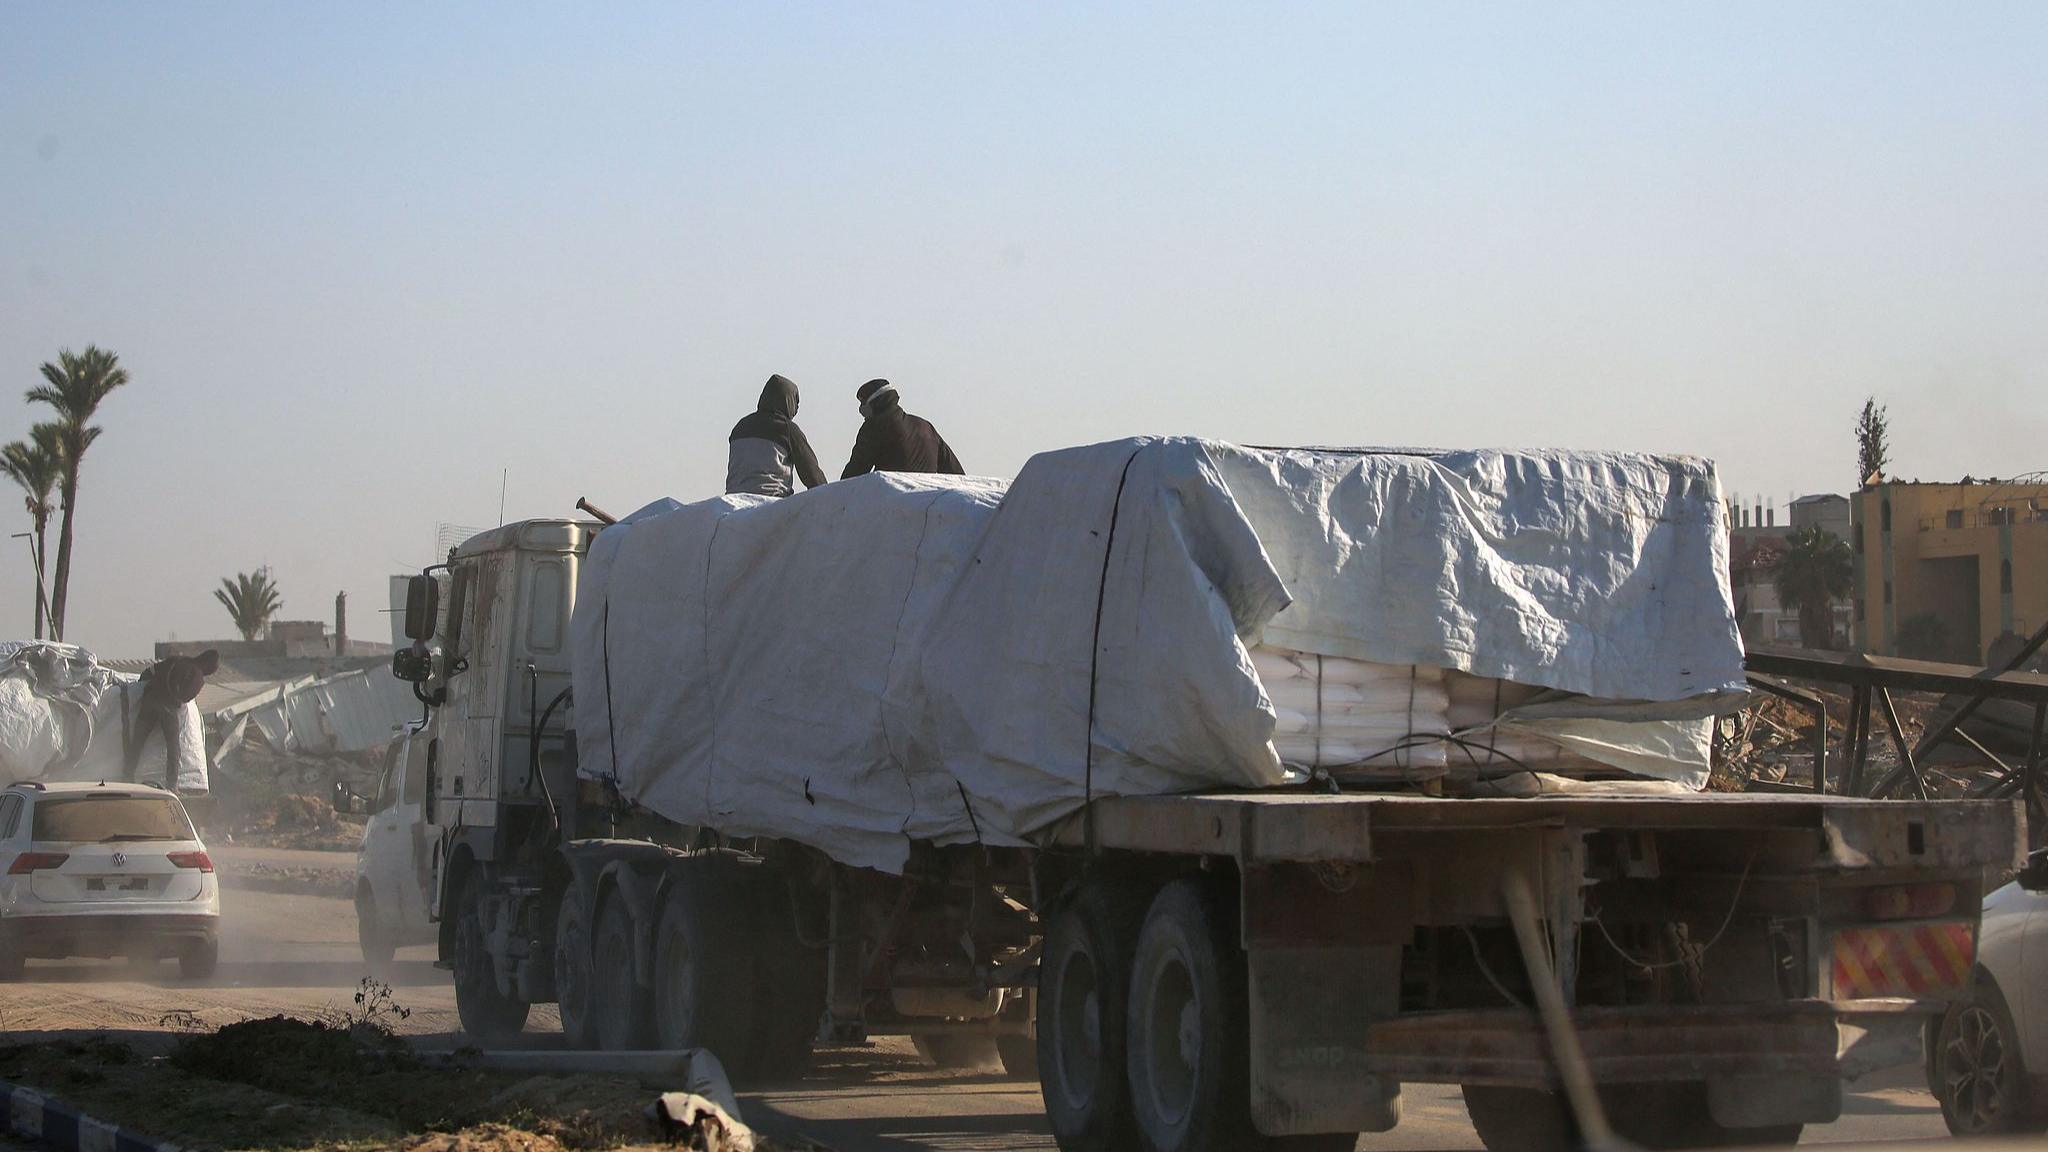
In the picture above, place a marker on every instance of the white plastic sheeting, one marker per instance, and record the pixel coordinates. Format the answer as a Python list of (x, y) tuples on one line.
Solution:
[(905, 657), (344, 712), (61, 718)]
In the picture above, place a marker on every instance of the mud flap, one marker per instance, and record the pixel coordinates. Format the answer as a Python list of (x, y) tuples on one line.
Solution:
[(1311, 1009)]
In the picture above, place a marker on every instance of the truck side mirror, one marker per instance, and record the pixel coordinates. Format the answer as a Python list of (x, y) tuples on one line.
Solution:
[(345, 801), (2033, 875), (422, 608), (414, 665)]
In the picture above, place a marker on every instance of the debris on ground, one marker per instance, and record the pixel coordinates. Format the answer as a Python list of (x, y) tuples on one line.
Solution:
[(348, 1083), (273, 799), (252, 876)]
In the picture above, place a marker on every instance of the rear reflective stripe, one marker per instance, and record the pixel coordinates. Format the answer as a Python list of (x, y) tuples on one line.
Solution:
[(1918, 960)]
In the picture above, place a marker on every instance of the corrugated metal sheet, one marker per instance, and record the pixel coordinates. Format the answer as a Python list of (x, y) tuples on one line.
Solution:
[(348, 712)]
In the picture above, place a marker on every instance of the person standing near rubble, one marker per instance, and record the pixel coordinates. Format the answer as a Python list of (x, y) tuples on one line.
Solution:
[(768, 452), (892, 440)]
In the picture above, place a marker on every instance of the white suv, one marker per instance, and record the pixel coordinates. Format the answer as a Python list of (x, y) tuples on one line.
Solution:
[(103, 870)]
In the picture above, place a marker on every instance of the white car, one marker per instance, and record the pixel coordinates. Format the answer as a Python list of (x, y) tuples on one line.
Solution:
[(104, 870), (392, 863), (1987, 1059)]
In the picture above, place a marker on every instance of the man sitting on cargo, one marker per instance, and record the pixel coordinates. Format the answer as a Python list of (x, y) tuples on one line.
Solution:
[(769, 452), (892, 440)]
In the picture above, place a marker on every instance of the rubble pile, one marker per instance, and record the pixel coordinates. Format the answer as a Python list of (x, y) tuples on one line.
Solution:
[(346, 1081)]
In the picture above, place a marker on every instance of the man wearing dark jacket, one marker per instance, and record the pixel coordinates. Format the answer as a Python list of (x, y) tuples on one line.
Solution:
[(892, 440), (769, 453)]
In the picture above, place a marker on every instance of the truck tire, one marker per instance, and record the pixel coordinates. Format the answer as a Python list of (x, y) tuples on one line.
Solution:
[(1019, 1054), (1084, 977), (485, 1013), (960, 1050), (621, 1009), (1977, 1075), (1653, 1116), (789, 993), (377, 948), (572, 969), (1186, 1038), (1520, 1119), (704, 964)]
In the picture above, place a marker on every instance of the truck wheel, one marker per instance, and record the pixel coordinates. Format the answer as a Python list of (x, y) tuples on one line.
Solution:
[(375, 946), (1019, 1054), (1187, 1041), (1655, 1116), (957, 1050), (789, 992), (485, 1013), (1083, 981), (704, 965), (1978, 1078), (621, 1011), (572, 969), (1520, 1119)]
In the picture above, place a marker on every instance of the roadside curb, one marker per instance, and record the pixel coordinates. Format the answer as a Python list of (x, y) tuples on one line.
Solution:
[(32, 1114)]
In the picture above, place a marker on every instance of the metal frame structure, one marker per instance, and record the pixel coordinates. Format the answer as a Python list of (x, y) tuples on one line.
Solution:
[(1870, 681)]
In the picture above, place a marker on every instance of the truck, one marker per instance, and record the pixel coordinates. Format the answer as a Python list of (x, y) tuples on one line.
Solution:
[(1216, 968)]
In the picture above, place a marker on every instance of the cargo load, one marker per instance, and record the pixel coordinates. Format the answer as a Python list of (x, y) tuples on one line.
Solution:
[(904, 657)]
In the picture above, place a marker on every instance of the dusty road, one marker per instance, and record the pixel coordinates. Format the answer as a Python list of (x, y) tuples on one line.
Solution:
[(297, 954)]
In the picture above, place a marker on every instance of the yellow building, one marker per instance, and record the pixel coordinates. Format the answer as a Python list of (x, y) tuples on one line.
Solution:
[(1947, 568)]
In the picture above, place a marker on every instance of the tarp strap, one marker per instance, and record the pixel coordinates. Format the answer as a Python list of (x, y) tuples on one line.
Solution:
[(610, 725), (1095, 657)]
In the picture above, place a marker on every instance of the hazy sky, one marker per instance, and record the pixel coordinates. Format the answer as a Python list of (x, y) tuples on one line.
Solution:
[(362, 260)]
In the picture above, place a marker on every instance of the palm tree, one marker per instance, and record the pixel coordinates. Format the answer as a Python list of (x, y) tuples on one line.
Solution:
[(251, 598), (36, 465), (1815, 571), (76, 384)]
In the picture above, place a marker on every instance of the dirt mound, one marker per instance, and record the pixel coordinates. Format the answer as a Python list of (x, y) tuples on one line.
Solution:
[(482, 1138), (108, 1080), (580, 1111), (288, 1053)]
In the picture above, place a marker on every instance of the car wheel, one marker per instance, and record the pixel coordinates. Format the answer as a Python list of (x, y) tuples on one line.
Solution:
[(199, 961), (377, 948), (485, 1013), (1978, 1078)]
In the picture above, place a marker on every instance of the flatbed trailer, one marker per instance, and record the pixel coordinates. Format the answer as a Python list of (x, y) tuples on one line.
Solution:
[(1193, 972), (1730, 958)]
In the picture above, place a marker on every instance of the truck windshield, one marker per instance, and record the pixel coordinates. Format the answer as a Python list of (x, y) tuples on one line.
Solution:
[(98, 819)]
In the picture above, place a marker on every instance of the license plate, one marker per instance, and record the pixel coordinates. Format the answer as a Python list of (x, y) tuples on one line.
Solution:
[(121, 884)]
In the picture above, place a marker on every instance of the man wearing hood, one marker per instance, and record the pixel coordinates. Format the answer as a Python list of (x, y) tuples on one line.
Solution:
[(769, 453), (892, 440)]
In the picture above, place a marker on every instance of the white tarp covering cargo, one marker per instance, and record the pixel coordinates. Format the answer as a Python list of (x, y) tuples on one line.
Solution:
[(905, 657), (64, 716)]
